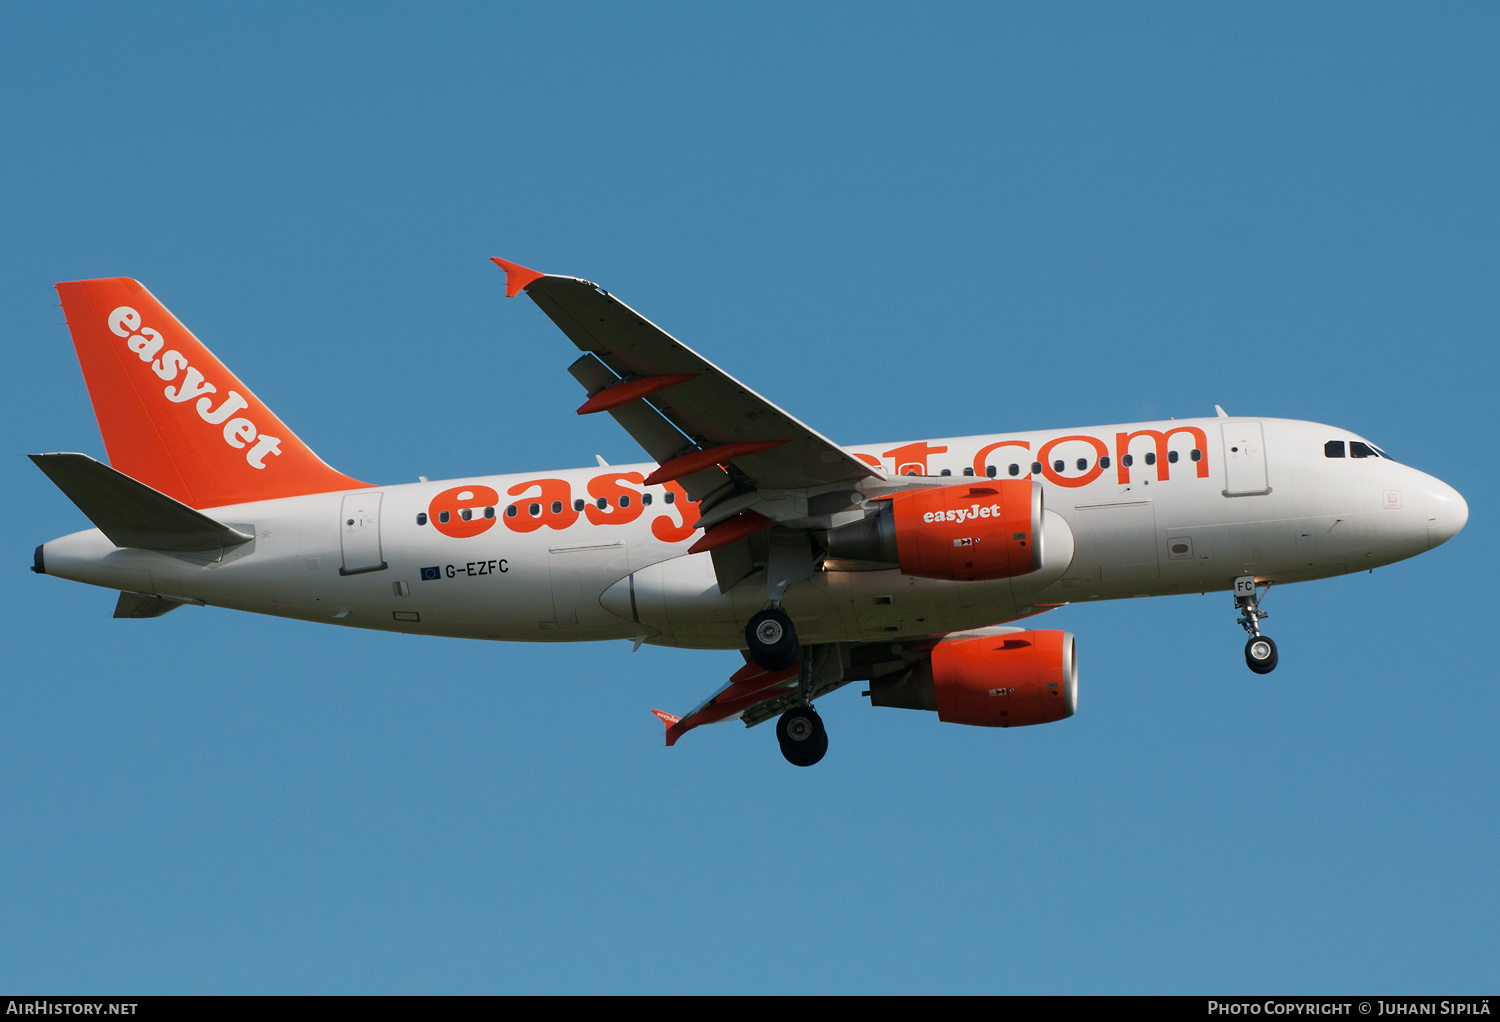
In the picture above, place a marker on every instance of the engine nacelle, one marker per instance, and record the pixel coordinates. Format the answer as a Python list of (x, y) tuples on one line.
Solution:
[(1007, 680), (969, 532)]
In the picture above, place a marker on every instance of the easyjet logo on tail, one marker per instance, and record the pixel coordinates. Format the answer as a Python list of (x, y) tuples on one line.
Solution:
[(238, 431)]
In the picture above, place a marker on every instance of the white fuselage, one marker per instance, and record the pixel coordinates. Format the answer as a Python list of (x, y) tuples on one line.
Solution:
[(1260, 498)]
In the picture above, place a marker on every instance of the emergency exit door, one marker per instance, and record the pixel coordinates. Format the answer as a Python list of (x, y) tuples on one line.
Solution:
[(359, 527)]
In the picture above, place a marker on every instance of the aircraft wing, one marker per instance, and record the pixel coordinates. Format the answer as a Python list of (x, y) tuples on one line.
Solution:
[(748, 689), (753, 694), (701, 425)]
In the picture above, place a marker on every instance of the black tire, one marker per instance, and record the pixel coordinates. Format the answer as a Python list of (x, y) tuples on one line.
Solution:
[(799, 724), (771, 639), (804, 740), (1260, 654)]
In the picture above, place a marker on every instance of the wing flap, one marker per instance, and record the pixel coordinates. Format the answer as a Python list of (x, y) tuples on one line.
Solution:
[(647, 426)]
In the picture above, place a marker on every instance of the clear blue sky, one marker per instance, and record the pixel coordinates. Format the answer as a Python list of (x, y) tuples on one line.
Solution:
[(895, 223)]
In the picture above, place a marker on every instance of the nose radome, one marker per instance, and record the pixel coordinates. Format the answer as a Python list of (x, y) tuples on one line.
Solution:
[(1447, 513)]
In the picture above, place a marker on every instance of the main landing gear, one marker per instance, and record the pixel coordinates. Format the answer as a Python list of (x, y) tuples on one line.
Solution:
[(772, 640), (803, 738), (1260, 650), (820, 669)]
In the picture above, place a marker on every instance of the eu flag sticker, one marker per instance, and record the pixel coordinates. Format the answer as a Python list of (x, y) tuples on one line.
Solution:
[(428, 574)]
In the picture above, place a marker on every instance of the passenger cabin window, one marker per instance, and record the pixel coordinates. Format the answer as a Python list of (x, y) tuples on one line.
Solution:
[(1036, 468), (1172, 457), (1127, 460), (510, 511), (646, 499), (1057, 466), (535, 510), (1083, 464), (603, 503), (466, 514), (1151, 457), (1196, 455), (1333, 449), (624, 500), (969, 470), (671, 497), (1014, 469), (443, 517), (1361, 450), (421, 517), (578, 504), (990, 470), (1104, 462), (557, 507), (946, 472), (489, 512)]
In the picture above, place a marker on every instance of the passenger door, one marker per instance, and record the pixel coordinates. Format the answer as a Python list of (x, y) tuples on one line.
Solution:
[(359, 528), (1244, 459)]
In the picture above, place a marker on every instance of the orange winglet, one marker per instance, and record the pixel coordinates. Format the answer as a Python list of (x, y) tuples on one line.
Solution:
[(670, 721), (623, 393), (696, 461), (516, 275), (746, 523)]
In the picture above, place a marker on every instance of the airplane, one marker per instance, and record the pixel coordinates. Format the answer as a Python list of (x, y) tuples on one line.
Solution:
[(913, 565)]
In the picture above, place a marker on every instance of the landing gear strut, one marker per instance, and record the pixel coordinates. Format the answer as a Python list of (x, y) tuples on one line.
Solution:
[(802, 736), (1260, 650), (772, 640)]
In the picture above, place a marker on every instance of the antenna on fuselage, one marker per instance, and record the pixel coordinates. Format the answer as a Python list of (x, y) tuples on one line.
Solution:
[(1222, 413)]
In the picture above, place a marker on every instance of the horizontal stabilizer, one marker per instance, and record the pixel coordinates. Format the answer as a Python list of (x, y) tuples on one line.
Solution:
[(140, 605), (131, 513)]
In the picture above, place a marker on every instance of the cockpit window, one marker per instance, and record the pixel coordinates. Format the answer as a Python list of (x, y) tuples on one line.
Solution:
[(1357, 449)]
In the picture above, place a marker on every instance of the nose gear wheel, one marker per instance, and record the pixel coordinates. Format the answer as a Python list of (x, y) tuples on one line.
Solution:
[(1260, 654), (1260, 650)]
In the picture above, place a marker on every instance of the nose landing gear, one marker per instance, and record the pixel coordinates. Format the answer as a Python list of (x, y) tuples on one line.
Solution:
[(1260, 650)]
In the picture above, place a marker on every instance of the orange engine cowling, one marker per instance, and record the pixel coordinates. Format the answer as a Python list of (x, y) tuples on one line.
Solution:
[(990, 681), (965, 533)]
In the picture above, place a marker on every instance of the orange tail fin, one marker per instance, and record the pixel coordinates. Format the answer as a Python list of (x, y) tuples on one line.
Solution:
[(173, 417)]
